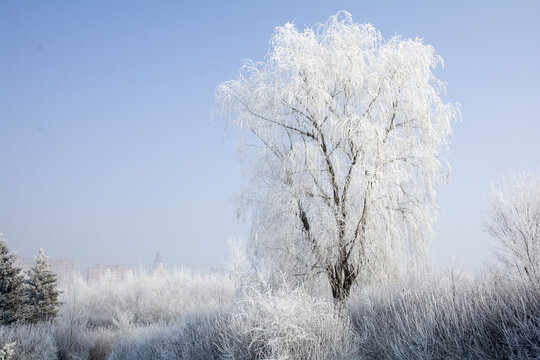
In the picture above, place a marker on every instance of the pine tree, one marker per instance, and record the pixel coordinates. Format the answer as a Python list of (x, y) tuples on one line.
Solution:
[(11, 287), (41, 290)]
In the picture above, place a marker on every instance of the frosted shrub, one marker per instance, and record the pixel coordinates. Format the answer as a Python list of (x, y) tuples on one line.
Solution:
[(6, 352), (142, 298), (71, 330), (32, 342), (100, 342), (515, 224), (285, 324), (142, 343), (122, 315)]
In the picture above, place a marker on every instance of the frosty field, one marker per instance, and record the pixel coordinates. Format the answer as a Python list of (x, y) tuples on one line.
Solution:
[(182, 315)]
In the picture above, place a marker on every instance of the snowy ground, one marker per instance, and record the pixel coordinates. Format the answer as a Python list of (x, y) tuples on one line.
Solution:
[(182, 315)]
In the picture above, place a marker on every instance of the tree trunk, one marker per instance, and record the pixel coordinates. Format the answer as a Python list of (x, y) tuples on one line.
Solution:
[(341, 278)]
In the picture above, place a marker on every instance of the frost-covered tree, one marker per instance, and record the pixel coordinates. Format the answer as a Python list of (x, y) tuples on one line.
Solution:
[(346, 132), (11, 286), (515, 224), (41, 289)]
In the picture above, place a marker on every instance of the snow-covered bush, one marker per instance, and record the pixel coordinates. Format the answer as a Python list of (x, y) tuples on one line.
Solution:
[(285, 324), (71, 332), (32, 342), (142, 299), (113, 314), (7, 352), (140, 343)]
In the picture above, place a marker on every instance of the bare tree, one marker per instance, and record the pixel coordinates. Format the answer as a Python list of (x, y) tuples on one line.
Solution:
[(515, 224), (345, 132)]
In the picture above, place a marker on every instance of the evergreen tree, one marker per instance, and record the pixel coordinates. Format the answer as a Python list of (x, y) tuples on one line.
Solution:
[(41, 289), (11, 286)]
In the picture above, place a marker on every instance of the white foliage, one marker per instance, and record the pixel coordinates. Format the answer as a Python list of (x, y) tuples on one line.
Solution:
[(7, 351), (32, 342), (73, 317), (95, 318), (286, 324), (143, 298), (344, 131), (515, 224)]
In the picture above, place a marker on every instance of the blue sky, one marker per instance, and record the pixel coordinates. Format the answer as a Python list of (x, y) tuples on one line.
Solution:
[(108, 153)]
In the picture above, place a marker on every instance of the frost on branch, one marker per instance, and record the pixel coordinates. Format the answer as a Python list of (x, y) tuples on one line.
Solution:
[(344, 132)]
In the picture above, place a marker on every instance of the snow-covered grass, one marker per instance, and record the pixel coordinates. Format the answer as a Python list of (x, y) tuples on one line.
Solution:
[(183, 315), (486, 317), (95, 318), (142, 298), (194, 337), (32, 342)]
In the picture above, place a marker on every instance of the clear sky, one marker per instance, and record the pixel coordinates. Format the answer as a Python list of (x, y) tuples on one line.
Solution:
[(108, 153)]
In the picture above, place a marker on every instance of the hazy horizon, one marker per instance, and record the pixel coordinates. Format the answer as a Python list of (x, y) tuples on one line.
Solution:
[(108, 153)]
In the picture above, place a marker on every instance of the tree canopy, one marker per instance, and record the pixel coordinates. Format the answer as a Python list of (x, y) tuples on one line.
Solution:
[(515, 224), (345, 133)]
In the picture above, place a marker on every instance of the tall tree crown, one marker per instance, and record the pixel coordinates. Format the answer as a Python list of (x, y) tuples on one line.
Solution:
[(346, 132)]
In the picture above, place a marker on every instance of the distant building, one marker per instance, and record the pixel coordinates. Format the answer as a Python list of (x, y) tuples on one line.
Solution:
[(158, 264), (97, 272), (63, 268)]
